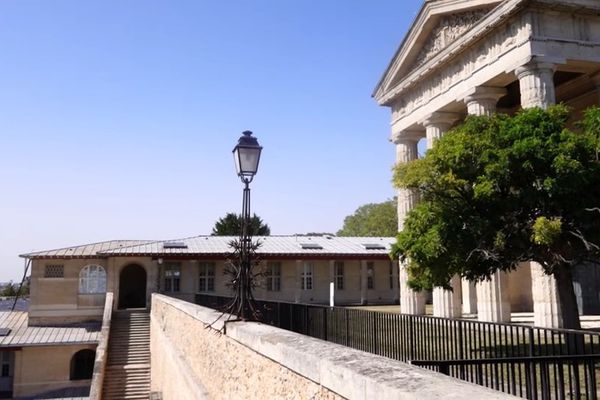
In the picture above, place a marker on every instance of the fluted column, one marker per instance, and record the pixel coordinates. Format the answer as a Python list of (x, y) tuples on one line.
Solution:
[(536, 80), (411, 302), (482, 100), (491, 295), (493, 303), (446, 303), (438, 123), (546, 305)]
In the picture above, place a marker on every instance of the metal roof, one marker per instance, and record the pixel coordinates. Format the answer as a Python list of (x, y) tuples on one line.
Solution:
[(270, 245), (90, 250), (21, 334), (205, 245)]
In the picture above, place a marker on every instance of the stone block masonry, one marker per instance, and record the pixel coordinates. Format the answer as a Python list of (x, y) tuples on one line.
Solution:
[(254, 361)]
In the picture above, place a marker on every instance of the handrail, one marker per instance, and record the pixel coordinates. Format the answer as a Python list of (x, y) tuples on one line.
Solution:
[(101, 350)]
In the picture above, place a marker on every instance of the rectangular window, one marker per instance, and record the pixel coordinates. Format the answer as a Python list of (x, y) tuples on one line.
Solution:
[(274, 276), (307, 276), (370, 275), (206, 281), (172, 276), (54, 271), (339, 275)]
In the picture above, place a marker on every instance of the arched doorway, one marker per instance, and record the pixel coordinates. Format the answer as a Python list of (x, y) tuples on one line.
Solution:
[(132, 287)]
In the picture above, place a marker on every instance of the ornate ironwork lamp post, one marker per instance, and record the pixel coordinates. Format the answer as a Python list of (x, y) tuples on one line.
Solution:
[(246, 155)]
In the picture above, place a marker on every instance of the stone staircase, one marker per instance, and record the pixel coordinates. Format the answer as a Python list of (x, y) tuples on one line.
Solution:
[(128, 366)]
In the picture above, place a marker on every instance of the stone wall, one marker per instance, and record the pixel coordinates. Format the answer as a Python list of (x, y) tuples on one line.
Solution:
[(191, 360)]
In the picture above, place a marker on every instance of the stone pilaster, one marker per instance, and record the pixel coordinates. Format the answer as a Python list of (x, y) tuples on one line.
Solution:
[(482, 100), (493, 302), (411, 302), (438, 123), (469, 297), (363, 282), (446, 303), (546, 306), (536, 80)]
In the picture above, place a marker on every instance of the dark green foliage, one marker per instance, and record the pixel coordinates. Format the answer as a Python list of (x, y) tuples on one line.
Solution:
[(501, 190), (231, 225), (374, 219)]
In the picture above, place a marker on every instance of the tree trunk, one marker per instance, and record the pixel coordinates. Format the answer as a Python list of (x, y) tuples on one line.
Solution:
[(566, 296)]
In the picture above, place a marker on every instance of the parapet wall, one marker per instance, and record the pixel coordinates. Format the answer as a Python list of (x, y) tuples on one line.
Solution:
[(191, 360)]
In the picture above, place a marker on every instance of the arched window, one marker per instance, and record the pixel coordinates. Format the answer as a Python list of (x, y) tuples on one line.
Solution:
[(82, 365), (92, 279)]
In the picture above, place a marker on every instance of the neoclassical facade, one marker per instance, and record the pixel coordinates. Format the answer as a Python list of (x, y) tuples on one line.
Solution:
[(477, 57)]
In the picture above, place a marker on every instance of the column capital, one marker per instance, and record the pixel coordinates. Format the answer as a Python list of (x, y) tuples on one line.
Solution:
[(534, 67), (407, 137), (440, 118), (484, 93)]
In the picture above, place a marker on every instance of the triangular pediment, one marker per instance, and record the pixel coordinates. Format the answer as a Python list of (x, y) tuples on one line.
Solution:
[(439, 24)]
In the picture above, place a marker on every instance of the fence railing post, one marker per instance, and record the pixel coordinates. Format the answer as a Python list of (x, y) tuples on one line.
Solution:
[(411, 337)]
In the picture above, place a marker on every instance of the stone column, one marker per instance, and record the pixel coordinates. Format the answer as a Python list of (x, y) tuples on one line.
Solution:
[(438, 123), (493, 303), (363, 282), (546, 305), (469, 297), (298, 292), (536, 80), (446, 303), (411, 302), (482, 100)]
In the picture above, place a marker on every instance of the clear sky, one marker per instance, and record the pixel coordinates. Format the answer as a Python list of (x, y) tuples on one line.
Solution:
[(117, 118)]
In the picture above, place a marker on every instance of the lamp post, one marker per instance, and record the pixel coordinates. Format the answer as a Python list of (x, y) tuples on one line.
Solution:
[(246, 155)]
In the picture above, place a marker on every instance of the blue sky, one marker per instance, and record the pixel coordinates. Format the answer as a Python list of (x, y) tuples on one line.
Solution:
[(118, 117)]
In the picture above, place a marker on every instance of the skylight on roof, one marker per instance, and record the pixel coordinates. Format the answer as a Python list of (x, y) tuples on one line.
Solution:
[(4, 331), (174, 245), (311, 246), (373, 246)]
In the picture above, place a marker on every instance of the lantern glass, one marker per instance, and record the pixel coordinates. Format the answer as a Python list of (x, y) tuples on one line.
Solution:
[(246, 155)]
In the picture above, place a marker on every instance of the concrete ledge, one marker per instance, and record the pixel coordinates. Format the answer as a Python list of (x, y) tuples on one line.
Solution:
[(342, 371), (353, 374)]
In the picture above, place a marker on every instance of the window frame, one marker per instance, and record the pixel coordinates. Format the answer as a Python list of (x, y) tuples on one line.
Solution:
[(206, 276), (338, 274), (273, 276), (172, 277), (306, 277), (92, 284), (371, 275)]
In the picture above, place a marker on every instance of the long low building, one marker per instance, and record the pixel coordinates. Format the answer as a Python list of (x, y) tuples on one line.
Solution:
[(51, 347)]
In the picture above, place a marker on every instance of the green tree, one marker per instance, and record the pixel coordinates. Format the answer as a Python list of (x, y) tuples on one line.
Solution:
[(374, 219), (231, 225), (9, 289), (501, 190)]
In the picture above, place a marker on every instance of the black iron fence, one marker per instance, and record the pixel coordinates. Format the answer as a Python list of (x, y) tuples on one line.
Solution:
[(526, 361)]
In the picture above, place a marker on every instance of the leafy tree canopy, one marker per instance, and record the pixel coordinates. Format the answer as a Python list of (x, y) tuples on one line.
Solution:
[(501, 190), (374, 219), (231, 225)]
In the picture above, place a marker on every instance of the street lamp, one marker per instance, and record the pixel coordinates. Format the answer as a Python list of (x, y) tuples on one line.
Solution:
[(246, 155)]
